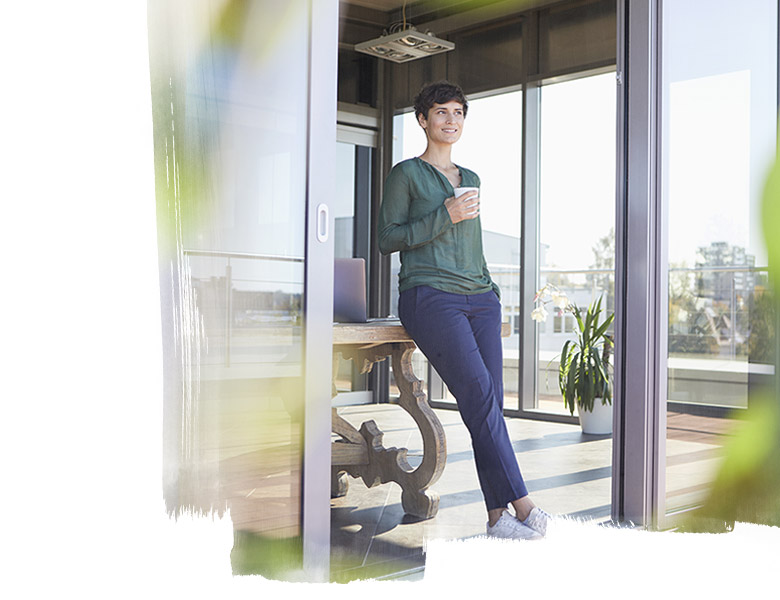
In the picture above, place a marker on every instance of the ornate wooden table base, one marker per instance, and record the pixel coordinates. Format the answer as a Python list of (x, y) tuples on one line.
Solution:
[(360, 452)]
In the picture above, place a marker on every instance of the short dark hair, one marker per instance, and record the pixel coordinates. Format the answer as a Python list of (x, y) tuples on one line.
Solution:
[(438, 93)]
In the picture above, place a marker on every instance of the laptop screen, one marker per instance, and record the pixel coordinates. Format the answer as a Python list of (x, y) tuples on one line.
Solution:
[(349, 290)]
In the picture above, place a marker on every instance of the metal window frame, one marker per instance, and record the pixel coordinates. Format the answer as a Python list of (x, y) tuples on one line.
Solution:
[(318, 304), (639, 448), (529, 251), (640, 339)]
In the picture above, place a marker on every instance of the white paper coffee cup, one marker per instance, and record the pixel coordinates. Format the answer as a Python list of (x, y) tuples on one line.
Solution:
[(459, 191)]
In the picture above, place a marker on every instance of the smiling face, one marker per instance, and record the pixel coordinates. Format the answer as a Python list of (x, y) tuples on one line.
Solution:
[(444, 123)]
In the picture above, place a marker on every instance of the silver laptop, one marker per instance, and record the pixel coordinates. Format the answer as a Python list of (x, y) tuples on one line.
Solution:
[(349, 290), (349, 293)]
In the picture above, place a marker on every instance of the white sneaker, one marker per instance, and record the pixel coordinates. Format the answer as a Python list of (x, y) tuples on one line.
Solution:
[(538, 520), (511, 528)]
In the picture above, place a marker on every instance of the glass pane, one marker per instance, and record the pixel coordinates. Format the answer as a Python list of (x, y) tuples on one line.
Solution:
[(719, 121), (344, 203), (493, 122), (230, 113), (576, 212)]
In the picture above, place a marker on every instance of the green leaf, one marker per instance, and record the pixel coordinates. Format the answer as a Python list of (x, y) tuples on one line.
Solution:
[(577, 316), (599, 366), (571, 381), (563, 366), (603, 328)]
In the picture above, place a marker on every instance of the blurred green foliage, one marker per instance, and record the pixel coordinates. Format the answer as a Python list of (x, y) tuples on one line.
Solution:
[(273, 558)]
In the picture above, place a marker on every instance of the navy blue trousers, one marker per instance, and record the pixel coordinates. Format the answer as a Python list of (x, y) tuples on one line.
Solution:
[(460, 335)]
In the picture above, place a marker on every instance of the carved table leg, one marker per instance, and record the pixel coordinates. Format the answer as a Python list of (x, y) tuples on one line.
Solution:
[(390, 464), (416, 498)]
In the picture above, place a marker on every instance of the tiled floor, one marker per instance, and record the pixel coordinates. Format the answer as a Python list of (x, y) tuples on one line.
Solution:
[(565, 471)]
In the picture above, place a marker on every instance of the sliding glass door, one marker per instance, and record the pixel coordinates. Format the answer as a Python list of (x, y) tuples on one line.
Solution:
[(718, 134), (243, 238), (695, 327)]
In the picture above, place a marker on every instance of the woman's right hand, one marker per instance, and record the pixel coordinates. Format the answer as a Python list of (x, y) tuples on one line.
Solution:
[(465, 206)]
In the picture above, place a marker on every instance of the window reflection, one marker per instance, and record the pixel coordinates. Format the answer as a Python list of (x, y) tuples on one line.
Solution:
[(719, 122)]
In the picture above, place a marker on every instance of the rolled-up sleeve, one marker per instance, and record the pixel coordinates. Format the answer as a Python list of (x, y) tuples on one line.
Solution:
[(396, 231)]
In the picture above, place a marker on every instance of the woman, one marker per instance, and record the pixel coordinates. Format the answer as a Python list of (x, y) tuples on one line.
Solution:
[(448, 303)]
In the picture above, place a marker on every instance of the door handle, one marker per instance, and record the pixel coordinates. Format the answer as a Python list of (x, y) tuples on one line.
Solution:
[(322, 223)]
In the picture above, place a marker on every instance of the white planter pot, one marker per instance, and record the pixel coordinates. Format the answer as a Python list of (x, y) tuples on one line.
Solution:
[(598, 422)]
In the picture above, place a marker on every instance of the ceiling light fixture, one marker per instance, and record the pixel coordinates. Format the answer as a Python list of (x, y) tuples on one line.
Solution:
[(403, 43)]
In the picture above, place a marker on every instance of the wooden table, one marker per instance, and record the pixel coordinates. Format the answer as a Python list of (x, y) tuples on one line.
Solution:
[(360, 452)]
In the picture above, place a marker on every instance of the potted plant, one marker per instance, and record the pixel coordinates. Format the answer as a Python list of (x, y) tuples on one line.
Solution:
[(584, 368)]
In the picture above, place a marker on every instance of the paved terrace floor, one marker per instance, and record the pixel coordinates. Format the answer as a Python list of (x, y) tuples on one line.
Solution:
[(566, 472)]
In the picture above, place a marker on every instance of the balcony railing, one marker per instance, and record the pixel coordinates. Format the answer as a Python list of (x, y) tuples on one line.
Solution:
[(247, 292), (720, 331)]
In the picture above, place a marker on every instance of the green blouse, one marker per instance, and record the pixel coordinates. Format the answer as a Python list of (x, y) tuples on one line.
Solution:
[(414, 221)]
